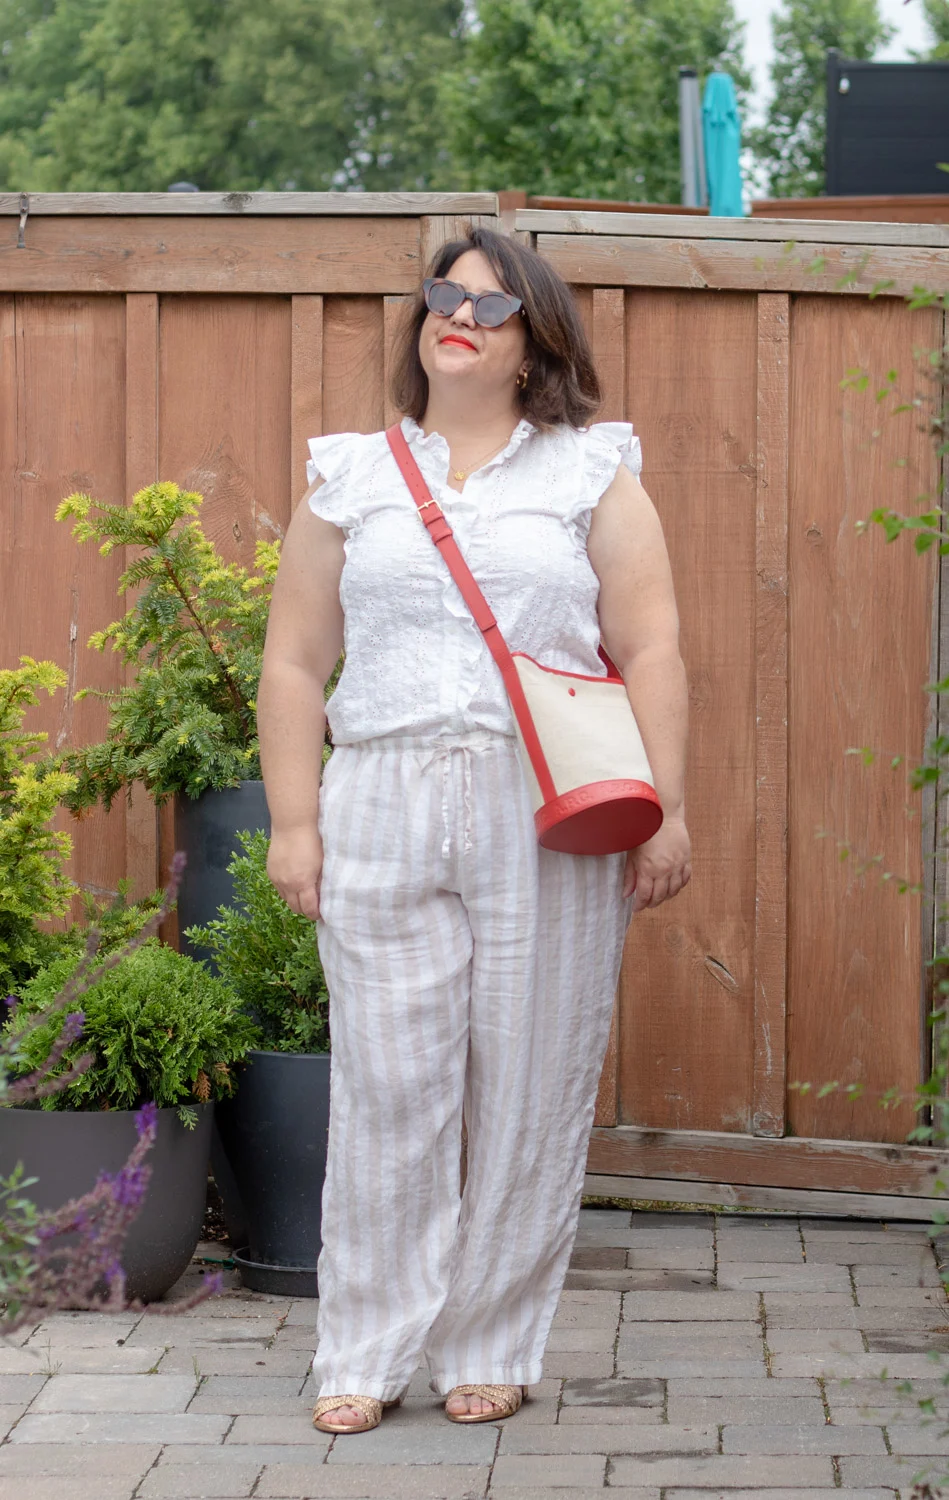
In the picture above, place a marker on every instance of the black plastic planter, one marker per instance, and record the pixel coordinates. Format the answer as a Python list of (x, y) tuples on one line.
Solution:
[(67, 1149), (206, 829), (269, 1162)]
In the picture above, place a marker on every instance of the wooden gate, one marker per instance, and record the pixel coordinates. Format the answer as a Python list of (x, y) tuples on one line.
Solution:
[(726, 345)]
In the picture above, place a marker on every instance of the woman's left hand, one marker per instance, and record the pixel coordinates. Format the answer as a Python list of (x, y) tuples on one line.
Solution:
[(660, 868)]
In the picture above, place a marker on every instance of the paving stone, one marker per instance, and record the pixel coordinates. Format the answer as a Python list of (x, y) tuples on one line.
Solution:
[(910, 1341), (902, 1366), (212, 1359), (116, 1393), (625, 1393), (728, 1338), (177, 1328), (642, 1258), (771, 1276), (567, 1340), (253, 1395), (373, 1481), (303, 1311), (809, 1341), (818, 1318), (602, 1313), (880, 1253), (601, 1259), (642, 1280), (610, 1227), (276, 1429), (590, 1299), (649, 1218), (762, 1387), (671, 1367), (560, 1472), (67, 1460), (867, 1390), (587, 1416), (574, 1365), (918, 1437), (71, 1359), (687, 1307), (197, 1481), (787, 1302), (809, 1494), (273, 1452), (610, 1438), (545, 1492), (684, 1410), (745, 1248), (923, 1274), (406, 1437), (20, 1388), (785, 1438), (10, 1414), (901, 1296), (894, 1319), (738, 1470), (85, 1329), (126, 1427), (894, 1471), (50, 1487)]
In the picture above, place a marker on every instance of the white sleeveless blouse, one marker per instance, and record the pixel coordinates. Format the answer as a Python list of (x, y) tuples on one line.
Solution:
[(415, 660)]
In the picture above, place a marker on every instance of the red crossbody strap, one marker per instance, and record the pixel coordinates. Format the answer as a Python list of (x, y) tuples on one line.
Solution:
[(443, 537)]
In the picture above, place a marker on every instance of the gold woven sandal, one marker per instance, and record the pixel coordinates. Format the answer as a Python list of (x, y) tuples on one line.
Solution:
[(505, 1399), (370, 1407)]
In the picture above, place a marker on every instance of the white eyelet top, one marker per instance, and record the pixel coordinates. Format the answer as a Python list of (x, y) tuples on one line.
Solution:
[(415, 660)]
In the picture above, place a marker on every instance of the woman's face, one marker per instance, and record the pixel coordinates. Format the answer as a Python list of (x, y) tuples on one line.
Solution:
[(457, 350)]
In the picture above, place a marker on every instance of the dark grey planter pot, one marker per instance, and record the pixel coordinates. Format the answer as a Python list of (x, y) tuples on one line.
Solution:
[(269, 1162), (206, 829), (67, 1149)]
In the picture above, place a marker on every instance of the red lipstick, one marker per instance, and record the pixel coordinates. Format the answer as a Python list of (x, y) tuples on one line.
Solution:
[(457, 338)]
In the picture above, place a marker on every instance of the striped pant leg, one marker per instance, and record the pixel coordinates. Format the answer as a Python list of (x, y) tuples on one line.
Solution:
[(548, 933), (396, 949)]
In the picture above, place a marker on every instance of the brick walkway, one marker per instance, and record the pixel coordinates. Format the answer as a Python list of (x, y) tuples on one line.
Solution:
[(693, 1356)]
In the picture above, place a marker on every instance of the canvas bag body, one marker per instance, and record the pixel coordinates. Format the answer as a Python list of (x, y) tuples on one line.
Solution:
[(587, 771)]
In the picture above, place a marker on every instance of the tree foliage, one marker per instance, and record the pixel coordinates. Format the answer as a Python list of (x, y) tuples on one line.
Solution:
[(791, 144), (558, 97), (129, 95), (937, 21)]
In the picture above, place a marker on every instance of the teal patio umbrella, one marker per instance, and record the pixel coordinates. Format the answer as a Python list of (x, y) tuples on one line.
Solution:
[(721, 130)]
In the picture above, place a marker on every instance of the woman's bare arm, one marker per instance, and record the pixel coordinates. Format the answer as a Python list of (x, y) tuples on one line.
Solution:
[(304, 641), (639, 623)]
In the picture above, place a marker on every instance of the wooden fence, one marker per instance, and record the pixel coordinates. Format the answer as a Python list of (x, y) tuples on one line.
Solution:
[(203, 338)]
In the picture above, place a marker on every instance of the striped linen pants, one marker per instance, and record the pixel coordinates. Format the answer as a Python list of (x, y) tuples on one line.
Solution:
[(467, 968)]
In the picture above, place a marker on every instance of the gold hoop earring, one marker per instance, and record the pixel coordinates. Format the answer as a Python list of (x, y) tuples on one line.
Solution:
[(521, 381)]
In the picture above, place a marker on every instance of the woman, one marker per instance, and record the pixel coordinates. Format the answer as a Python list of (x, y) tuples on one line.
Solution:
[(468, 969)]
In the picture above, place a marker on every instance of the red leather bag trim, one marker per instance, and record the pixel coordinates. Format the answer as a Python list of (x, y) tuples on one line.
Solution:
[(443, 537), (603, 817), (580, 676)]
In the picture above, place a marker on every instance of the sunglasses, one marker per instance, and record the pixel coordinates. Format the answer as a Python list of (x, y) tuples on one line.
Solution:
[(490, 309)]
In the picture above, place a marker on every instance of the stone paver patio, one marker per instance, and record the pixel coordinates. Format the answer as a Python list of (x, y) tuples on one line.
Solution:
[(694, 1356)]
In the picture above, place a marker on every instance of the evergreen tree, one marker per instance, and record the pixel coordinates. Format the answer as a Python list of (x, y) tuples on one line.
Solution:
[(126, 95), (580, 97), (791, 144)]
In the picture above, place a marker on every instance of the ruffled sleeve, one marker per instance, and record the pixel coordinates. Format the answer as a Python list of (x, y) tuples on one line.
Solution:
[(606, 445), (331, 457)]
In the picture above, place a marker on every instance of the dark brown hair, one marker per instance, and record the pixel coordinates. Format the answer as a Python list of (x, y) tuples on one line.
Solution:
[(562, 384)]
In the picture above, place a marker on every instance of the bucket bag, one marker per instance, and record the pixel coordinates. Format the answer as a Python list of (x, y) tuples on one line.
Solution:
[(589, 777)]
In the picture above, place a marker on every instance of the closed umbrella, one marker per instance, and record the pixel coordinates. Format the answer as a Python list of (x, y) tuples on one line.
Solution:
[(721, 129)]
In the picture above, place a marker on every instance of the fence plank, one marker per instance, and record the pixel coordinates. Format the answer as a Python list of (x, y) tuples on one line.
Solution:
[(306, 386), (771, 716), (259, 255), (720, 1156), (141, 469), (736, 265), (393, 309), (802, 231), (609, 349), (777, 1200), (691, 369), (354, 359), (858, 656), (322, 205)]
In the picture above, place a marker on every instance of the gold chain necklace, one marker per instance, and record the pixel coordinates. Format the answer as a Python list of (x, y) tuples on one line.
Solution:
[(462, 474)]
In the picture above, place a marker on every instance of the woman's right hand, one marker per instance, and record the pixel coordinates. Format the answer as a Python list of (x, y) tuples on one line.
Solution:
[(295, 867)]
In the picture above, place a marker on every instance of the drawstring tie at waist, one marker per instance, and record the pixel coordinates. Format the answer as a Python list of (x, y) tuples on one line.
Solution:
[(441, 750)]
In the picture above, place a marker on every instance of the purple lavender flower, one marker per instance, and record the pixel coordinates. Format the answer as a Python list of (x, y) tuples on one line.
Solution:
[(146, 1121)]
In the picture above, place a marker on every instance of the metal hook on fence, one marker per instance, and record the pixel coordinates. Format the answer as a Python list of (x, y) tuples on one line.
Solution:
[(24, 215)]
